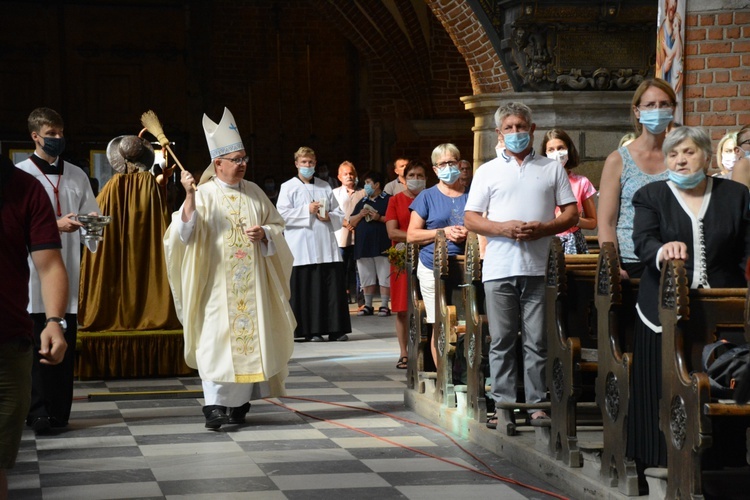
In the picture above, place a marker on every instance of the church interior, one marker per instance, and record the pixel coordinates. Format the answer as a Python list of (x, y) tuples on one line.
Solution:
[(370, 81)]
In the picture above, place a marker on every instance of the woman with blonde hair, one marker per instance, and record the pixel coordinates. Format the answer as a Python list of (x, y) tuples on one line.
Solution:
[(633, 166), (727, 154), (439, 207)]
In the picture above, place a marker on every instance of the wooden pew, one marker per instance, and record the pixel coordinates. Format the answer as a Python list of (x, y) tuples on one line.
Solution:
[(592, 242), (449, 316), (419, 329), (615, 304), (571, 348), (690, 320), (477, 337)]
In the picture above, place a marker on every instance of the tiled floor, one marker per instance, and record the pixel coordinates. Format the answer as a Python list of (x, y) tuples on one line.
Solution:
[(158, 448)]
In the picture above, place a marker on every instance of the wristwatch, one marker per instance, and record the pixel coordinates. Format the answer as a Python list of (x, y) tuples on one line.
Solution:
[(60, 321)]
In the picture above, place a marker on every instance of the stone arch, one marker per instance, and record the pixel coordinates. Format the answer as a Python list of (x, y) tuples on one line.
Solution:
[(471, 40)]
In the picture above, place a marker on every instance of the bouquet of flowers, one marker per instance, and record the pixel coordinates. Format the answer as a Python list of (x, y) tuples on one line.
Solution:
[(397, 257)]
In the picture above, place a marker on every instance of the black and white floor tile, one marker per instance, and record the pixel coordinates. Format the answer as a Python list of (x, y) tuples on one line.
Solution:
[(125, 447)]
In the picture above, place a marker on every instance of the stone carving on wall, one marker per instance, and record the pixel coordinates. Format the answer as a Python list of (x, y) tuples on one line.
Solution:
[(573, 45)]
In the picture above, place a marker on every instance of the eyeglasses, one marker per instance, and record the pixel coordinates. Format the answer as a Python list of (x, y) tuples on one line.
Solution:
[(650, 106), (238, 161), (449, 164)]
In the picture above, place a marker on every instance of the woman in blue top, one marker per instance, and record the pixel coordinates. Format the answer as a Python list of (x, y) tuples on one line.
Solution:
[(439, 207)]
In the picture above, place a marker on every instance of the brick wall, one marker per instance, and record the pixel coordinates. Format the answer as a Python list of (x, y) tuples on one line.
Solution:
[(460, 22), (717, 81)]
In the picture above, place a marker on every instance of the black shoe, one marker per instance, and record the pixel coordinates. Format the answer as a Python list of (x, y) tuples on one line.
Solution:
[(41, 425), (316, 338), (215, 416), (57, 423), (237, 415)]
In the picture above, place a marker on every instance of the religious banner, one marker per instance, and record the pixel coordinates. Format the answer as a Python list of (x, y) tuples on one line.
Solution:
[(669, 48)]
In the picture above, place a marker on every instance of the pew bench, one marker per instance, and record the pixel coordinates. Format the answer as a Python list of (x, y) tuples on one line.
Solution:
[(420, 358), (450, 322), (571, 349), (615, 305), (701, 433), (477, 336)]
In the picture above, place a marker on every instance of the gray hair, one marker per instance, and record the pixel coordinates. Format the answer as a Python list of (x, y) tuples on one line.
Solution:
[(696, 134), (512, 109), (443, 149)]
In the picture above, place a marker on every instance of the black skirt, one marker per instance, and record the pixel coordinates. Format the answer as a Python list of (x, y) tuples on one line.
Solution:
[(646, 442), (319, 300)]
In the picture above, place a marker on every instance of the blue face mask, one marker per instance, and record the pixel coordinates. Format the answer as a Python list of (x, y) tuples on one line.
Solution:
[(307, 172), (688, 181), (747, 154), (449, 175), (517, 143), (656, 121), (369, 190)]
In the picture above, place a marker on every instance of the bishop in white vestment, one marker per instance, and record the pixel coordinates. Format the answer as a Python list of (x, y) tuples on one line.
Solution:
[(229, 268)]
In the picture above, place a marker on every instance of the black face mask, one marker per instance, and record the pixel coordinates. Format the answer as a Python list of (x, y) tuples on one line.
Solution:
[(53, 146), (270, 186)]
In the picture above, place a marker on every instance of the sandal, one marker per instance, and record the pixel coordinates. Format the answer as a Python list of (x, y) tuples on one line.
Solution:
[(492, 422), (403, 363), (366, 311)]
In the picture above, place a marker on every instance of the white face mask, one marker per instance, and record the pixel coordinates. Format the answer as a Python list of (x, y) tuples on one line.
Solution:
[(415, 185), (728, 160), (561, 156)]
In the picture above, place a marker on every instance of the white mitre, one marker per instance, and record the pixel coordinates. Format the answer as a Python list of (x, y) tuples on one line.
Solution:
[(222, 138)]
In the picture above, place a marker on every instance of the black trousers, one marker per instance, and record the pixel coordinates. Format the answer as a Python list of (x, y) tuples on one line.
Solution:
[(52, 385)]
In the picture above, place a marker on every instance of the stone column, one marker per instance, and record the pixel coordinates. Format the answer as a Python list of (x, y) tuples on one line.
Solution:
[(594, 120)]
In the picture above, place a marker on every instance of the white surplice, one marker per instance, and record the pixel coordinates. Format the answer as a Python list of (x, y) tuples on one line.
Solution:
[(311, 240), (75, 196), (232, 295)]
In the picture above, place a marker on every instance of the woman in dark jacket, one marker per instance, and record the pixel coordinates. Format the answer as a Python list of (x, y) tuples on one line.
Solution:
[(702, 220)]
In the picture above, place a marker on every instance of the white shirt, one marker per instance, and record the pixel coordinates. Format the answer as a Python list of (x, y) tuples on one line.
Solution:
[(347, 203), (311, 240), (528, 192)]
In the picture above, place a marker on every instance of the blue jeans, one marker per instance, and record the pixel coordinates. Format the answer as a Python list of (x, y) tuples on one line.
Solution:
[(516, 304)]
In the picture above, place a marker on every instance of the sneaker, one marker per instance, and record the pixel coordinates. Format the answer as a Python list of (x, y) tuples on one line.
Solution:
[(366, 311), (384, 311)]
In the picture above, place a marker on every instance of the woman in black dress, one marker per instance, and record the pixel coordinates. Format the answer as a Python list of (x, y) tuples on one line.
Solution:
[(704, 221)]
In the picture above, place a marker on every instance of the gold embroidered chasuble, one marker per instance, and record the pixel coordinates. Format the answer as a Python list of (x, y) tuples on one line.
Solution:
[(233, 300)]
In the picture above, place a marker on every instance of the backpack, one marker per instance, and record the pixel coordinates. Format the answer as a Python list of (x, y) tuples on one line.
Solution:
[(727, 369)]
